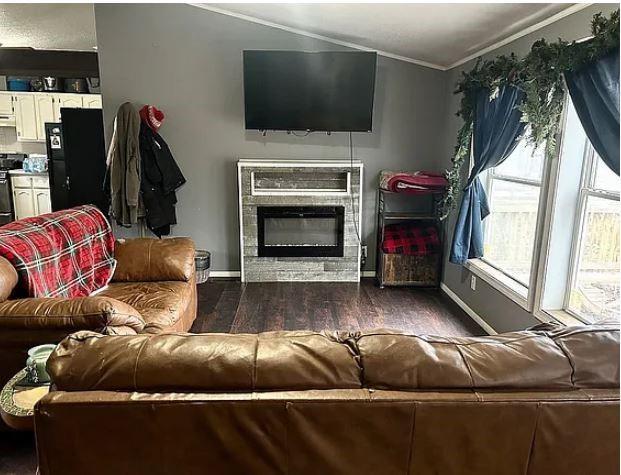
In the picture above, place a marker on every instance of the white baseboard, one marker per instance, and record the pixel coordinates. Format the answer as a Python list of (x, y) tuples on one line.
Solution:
[(236, 273), (224, 273), (471, 313)]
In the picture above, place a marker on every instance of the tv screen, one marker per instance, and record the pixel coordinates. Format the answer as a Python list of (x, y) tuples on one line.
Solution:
[(323, 91)]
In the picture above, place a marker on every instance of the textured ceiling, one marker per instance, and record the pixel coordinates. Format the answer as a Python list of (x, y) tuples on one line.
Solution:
[(48, 26), (437, 33)]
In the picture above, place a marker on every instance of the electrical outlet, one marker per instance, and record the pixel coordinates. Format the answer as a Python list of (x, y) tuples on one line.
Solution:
[(363, 251), (473, 282)]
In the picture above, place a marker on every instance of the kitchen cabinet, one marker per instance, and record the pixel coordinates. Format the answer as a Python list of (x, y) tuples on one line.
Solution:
[(91, 101), (32, 110), (44, 108), (31, 195), (25, 117), (42, 201), (66, 100), (6, 103), (23, 203)]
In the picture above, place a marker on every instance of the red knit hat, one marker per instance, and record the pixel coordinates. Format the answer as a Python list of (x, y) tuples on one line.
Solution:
[(152, 116)]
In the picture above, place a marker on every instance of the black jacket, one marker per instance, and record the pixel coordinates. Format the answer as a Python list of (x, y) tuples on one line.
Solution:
[(160, 178)]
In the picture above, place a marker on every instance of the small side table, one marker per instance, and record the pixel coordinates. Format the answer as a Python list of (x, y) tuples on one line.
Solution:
[(17, 402)]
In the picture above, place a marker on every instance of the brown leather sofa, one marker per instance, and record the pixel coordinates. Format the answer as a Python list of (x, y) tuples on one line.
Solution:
[(544, 401), (153, 289)]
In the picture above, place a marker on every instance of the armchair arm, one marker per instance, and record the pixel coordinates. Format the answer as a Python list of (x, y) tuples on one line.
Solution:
[(149, 260), (102, 314), (8, 279)]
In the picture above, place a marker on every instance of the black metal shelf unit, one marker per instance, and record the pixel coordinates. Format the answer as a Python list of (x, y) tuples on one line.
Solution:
[(405, 270)]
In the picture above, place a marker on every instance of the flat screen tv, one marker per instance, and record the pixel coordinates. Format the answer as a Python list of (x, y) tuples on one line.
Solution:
[(301, 91)]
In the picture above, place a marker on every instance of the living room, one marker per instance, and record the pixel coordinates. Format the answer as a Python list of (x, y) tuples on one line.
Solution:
[(310, 238)]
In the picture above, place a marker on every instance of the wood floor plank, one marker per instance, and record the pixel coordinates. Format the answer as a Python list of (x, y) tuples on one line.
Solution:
[(221, 318), (229, 306)]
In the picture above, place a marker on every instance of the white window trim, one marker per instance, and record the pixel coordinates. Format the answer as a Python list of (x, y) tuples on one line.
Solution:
[(543, 239), (587, 189)]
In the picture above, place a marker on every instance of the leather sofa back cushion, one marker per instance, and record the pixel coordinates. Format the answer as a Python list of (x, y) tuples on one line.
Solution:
[(204, 362), (8, 279), (575, 357), (560, 359), (149, 260)]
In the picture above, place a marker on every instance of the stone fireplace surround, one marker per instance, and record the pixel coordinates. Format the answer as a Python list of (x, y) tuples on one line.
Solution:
[(299, 183)]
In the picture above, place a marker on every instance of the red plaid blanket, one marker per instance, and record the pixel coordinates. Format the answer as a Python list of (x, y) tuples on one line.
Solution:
[(63, 254), (411, 239)]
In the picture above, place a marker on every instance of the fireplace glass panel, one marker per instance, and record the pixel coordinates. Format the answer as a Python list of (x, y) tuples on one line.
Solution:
[(301, 232)]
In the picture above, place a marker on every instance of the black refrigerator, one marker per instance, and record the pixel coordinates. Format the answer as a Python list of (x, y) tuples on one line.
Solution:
[(77, 159)]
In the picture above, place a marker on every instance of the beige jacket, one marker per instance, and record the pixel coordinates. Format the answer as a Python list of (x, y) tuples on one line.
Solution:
[(124, 166)]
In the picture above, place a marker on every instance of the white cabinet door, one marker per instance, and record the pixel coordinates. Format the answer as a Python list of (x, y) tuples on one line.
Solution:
[(23, 203), (92, 101), (42, 201), (44, 107), (25, 117), (6, 103), (66, 100)]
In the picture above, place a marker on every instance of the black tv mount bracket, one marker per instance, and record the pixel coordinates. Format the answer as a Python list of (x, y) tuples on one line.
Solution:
[(291, 132)]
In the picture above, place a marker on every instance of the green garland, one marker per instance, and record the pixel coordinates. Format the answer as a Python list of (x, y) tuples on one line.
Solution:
[(540, 76)]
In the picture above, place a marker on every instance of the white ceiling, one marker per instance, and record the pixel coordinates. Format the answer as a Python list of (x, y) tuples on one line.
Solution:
[(435, 34), (48, 26)]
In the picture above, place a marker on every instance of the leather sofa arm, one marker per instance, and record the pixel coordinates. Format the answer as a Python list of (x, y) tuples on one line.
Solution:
[(101, 314), (8, 279), (152, 260)]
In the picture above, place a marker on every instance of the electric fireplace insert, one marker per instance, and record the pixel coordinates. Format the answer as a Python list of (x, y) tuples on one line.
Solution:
[(300, 231)]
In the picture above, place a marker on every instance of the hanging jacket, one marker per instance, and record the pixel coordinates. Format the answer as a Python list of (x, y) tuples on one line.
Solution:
[(123, 162), (160, 178)]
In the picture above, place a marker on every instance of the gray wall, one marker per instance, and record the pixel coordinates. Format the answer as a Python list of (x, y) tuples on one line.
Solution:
[(187, 61), (496, 309)]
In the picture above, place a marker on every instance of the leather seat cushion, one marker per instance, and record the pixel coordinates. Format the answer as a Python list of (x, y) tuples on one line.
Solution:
[(161, 304)]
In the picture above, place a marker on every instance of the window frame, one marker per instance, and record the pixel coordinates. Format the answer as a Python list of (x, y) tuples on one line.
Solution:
[(587, 189), (531, 298), (523, 295), (493, 175)]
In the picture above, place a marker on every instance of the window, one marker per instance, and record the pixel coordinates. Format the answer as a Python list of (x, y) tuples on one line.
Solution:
[(513, 190), (593, 290), (569, 207)]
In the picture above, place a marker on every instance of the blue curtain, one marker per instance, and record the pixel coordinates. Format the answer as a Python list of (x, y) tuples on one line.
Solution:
[(594, 90), (497, 129)]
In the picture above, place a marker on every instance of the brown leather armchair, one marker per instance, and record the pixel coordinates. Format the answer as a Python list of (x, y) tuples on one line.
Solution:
[(534, 402), (153, 290)]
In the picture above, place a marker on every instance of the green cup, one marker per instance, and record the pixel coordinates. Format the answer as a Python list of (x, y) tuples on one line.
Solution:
[(35, 364)]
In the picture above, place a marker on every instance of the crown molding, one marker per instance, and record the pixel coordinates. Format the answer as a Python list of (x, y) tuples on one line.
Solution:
[(327, 39), (537, 26), (531, 29)]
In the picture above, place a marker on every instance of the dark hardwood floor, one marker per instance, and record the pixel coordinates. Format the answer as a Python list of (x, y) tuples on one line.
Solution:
[(228, 306)]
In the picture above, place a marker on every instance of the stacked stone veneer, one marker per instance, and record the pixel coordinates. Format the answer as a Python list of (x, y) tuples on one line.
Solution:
[(271, 269)]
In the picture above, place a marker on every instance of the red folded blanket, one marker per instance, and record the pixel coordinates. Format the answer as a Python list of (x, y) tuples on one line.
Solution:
[(412, 182), (68, 253), (411, 239)]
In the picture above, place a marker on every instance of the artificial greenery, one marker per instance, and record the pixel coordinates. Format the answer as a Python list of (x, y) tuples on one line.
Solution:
[(540, 74)]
